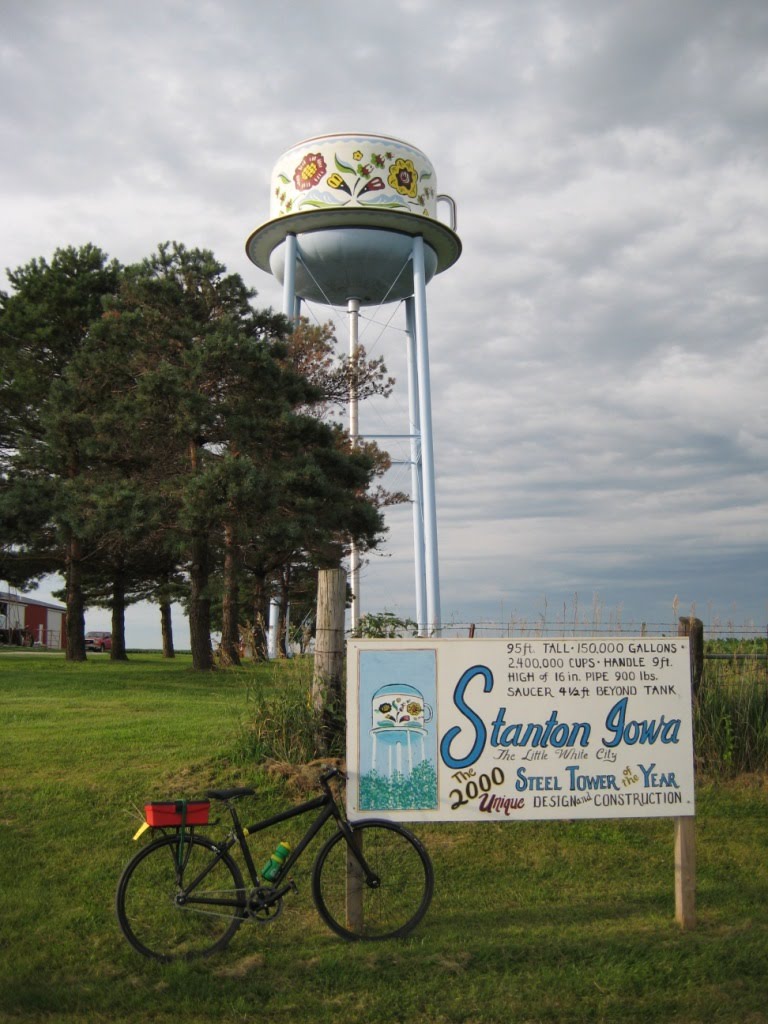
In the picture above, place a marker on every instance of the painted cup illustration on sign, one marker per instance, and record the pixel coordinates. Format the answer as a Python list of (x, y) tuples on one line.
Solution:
[(399, 715), (398, 744), (400, 707)]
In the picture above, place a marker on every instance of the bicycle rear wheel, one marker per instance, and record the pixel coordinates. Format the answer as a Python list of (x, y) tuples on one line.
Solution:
[(161, 918), (391, 909)]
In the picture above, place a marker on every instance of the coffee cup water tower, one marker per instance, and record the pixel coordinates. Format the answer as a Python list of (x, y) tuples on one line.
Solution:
[(353, 222)]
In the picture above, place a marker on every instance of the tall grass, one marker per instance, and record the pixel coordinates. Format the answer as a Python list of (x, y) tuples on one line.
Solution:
[(278, 723), (731, 714)]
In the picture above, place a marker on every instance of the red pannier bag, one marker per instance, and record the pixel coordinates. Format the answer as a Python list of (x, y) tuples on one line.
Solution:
[(177, 813)]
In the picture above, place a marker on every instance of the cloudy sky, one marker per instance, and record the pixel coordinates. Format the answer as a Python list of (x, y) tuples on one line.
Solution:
[(599, 353)]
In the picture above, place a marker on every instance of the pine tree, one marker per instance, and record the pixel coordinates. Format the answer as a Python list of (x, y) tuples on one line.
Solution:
[(156, 428), (43, 324), (203, 394)]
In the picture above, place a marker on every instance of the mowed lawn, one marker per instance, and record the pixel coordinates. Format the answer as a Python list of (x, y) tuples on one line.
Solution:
[(560, 922)]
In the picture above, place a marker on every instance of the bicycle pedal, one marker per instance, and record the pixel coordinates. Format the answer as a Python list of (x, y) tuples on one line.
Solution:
[(290, 886)]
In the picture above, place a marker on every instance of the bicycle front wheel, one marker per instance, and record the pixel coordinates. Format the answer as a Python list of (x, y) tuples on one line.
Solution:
[(398, 898), (164, 914)]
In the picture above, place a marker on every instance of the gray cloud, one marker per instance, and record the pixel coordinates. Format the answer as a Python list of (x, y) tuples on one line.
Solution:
[(599, 353)]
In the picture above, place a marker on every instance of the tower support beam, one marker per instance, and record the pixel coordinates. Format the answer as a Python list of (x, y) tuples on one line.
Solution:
[(291, 310), (353, 314), (417, 485), (427, 450)]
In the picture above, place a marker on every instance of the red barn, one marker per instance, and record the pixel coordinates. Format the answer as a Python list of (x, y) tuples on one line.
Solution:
[(23, 620)]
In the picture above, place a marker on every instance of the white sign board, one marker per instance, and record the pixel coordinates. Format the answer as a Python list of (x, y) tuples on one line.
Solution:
[(456, 730)]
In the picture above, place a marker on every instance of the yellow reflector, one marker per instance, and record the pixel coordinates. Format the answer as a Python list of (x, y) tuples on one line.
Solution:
[(141, 831)]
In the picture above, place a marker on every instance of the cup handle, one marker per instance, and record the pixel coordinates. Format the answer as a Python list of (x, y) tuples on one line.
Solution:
[(427, 713)]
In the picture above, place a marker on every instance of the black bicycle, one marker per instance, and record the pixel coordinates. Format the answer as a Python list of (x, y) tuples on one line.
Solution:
[(183, 896)]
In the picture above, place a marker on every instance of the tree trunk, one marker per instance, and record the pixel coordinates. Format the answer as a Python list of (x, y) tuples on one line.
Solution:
[(118, 652), (166, 629), (329, 655), (75, 617), (282, 616), (230, 608), (199, 597), (200, 606), (260, 616)]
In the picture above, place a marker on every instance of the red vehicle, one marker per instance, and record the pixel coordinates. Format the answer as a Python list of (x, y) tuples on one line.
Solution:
[(97, 641)]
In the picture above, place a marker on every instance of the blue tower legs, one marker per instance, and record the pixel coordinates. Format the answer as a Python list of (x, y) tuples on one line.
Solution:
[(427, 451), (417, 485), (422, 451)]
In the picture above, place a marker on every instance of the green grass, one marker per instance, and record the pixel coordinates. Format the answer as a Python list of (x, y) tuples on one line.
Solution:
[(531, 922), (731, 714)]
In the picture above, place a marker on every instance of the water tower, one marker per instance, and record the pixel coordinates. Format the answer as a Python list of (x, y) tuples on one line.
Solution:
[(353, 222)]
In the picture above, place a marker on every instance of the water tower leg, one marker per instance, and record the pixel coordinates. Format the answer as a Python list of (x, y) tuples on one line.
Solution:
[(353, 313), (417, 487), (289, 280), (427, 455), (291, 306), (274, 618)]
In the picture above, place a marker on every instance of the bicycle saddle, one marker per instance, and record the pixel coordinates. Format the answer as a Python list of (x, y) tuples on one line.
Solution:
[(229, 794)]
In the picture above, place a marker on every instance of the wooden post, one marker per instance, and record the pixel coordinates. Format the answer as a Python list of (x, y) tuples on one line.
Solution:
[(685, 872), (329, 650), (693, 628), (326, 697), (685, 828), (355, 883)]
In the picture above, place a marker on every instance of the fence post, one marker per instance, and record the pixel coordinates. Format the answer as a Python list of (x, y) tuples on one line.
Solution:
[(685, 828), (329, 652), (693, 628), (355, 884)]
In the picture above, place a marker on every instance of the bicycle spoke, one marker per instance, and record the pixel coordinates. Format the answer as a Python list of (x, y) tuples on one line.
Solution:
[(160, 924), (393, 905)]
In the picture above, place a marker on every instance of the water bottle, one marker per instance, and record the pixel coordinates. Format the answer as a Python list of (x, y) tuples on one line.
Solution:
[(275, 862)]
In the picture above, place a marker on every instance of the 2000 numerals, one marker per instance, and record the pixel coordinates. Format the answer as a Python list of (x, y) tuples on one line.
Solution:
[(474, 787)]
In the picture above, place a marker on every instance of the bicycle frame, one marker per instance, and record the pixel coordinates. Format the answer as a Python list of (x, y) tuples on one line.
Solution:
[(328, 808)]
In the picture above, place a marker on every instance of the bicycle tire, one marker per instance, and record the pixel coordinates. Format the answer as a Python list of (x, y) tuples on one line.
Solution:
[(396, 905), (159, 927)]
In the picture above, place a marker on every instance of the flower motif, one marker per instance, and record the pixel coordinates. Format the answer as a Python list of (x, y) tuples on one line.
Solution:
[(309, 172), (336, 181), (357, 155), (371, 186), (404, 178)]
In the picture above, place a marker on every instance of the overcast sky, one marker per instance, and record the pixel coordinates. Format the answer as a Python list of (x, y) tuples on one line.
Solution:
[(599, 353)]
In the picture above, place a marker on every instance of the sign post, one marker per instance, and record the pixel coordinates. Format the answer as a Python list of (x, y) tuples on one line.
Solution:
[(685, 872), (518, 729)]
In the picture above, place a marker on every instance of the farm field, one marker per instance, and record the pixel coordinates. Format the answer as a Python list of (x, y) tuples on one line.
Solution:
[(531, 922)]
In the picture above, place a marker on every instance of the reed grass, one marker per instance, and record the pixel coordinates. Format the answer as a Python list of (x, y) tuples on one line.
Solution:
[(731, 712), (278, 723)]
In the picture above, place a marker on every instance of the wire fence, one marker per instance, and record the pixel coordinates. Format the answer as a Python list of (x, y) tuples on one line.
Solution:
[(566, 628)]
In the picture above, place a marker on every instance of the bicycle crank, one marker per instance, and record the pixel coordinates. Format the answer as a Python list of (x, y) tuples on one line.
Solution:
[(266, 903)]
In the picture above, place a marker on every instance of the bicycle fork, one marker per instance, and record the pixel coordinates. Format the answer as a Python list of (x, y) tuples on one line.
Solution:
[(358, 868)]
